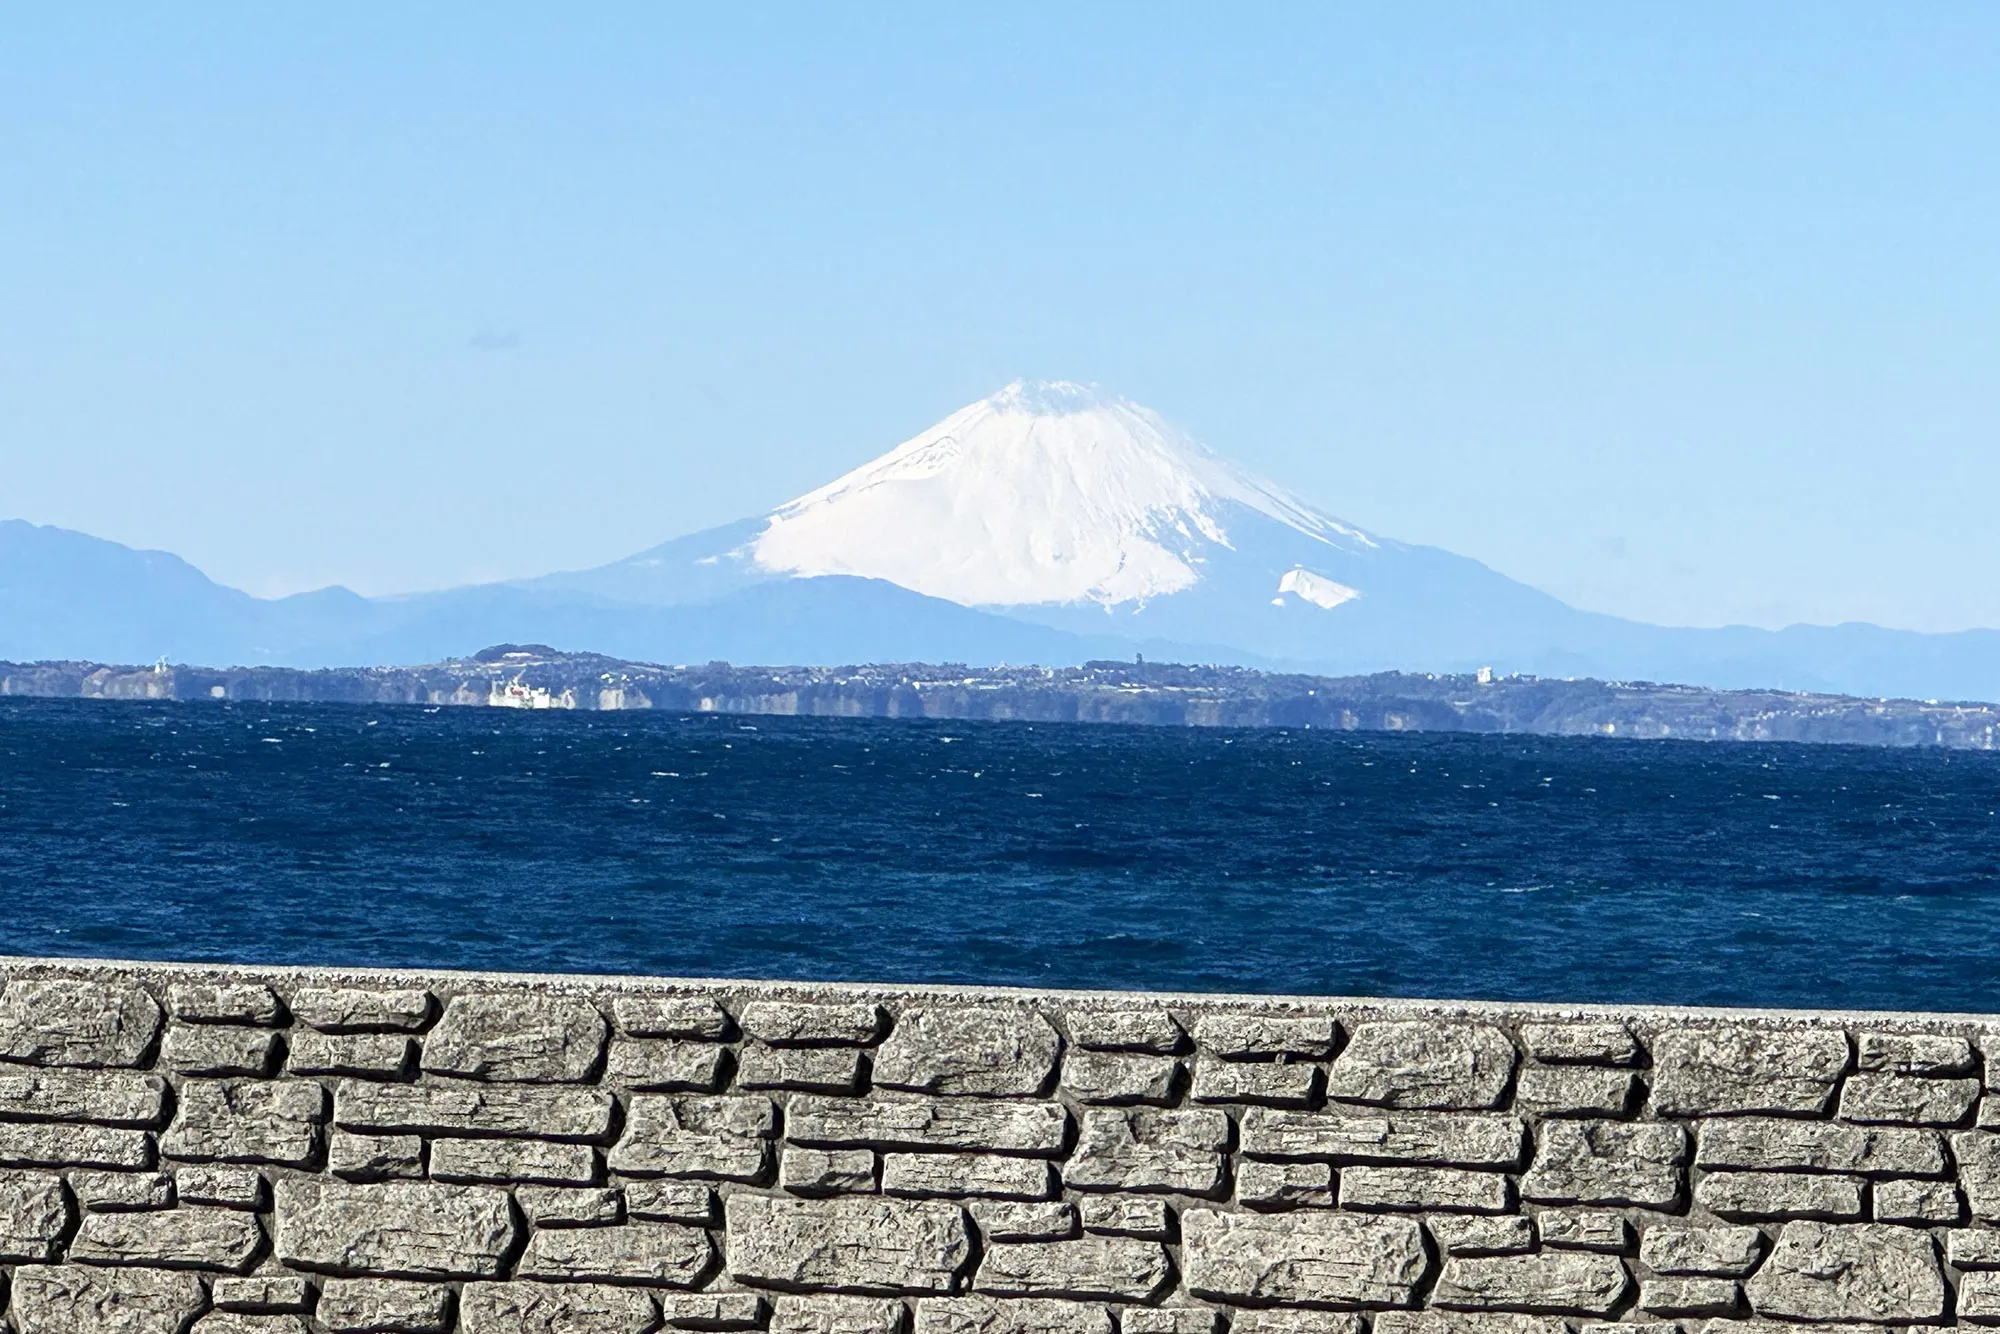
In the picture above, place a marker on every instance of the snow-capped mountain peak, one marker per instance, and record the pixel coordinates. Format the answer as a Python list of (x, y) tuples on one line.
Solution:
[(1044, 493)]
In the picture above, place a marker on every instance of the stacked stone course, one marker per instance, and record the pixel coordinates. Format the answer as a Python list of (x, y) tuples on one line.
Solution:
[(277, 1152)]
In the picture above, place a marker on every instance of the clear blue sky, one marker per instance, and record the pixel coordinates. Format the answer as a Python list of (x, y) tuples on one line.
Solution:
[(1685, 311)]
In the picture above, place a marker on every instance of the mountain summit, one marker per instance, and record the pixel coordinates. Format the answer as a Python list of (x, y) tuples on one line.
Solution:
[(1049, 523)]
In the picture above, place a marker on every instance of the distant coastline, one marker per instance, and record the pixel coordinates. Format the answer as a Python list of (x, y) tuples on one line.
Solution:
[(1158, 694)]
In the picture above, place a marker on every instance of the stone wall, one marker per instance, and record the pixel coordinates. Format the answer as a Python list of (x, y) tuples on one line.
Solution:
[(269, 1152)]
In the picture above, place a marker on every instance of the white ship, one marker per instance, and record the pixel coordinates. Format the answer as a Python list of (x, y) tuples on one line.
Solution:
[(517, 694)]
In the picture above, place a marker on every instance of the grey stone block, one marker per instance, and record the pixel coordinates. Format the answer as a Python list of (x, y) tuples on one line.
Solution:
[(799, 1024), (77, 1299), (1025, 1315), (1262, 1083), (1423, 1064), (463, 1108), (810, 1069), (853, 1243), (556, 1308), (1282, 1321), (711, 1310), (1979, 1299), (1717, 1252), (968, 1174), (1121, 1268), (1574, 1090), (981, 1050), (1690, 1296), (1201, 1320), (367, 1055), (186, 1238), (262, 1292), (1771, 1195), (99, 1097), (356, 1010), (1600, 1043), (398, 1229), (671, 1201), (1864, 1271), (666, 1065), (1773, 1144), (1265, 1035), (65, 1022), (1284, 1185), (1972, 1248), (1607, 1162), (669, 1254), (1023, 1220), (1126, 1216), (671, 1017), (226, 1187), (1488, 1322), (1475, 1235), (1911, 1100), (1584, 1230), (121, 1192), (33, 1145), (1978, 1154), (1424, 1138), (1927, 1203), (229, 1322), (828, 1171), (34, 1217), (374, 1157), (1121, 1077), (250, 1003), (1913, 1054), (725, 1138), (1725, 1071), (1551, 1282), (381, 1305), (835, 1313), (519, 1037), (1180, 1152), (1427, 1189), (215, 1049), (1125, 1030), (536, 1161), (571, 1206), (927, 1124), (247, 1121), (1311, 1258)]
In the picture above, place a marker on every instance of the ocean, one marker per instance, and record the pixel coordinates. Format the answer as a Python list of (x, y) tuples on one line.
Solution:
[(1505, 868)]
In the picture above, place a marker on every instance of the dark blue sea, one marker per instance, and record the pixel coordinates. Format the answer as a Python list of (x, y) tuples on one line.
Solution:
[(1071, 856)]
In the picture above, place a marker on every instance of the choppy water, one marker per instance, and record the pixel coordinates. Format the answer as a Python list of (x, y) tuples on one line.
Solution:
[(1517, 868)]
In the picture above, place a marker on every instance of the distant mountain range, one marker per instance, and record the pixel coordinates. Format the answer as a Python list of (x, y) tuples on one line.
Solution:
[(1046, 524)]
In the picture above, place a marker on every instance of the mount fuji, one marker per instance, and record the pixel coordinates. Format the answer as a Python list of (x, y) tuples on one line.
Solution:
[(1048, 523)]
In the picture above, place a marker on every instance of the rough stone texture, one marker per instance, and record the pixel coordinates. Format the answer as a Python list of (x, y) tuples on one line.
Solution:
[(544, 1308), (1126, 1216), (1021, 1220), (1913, 1054), (1559, 1282), (229, 1187), (828, 1313), (1491, 1322), (671, 1017), (1573, 1090), (1771, 1144), (100, 1097), (1483, 1236), (463, 1108), (517, 1038), (671, 1201), (540, 1161), (721, 1138), (34, 1216), (74, 1299), (1265, 1083), (247, 1121), (399, 1229), (1122, 1268), (250, 1003), (848, 1244), (189, 1238), (967, 1174), (666, 1065), (1864, 1271), (1178, 1152), (367, 1055), (230, 1322), (571, 1206), (669, 1254), (374, 1157), (796, 1024), (1911, 1100), (1979, 1299), (211, 1049), (1973, 1248), (1306, 1258), (36, 1145), (121, 1192), (73, 1022), (1241, 1036), (1346, 1135), (1718, 1071), (366, 1305), (1978, 1154), (1766, 1195), (928, 1124), (828, 1171), (1024, 1315), (1126, 1030), (1431, 1189), (1607, 1162), (262, 1292), (1120, 1077), (1719, 1252), (1581, 1044), (712, 1310), (1922, 1202), (1263, 1185), (1205, 1320), (1690, 1296), (1422, 1064), (813, 1069), (986, 1051), (358, 1010)]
